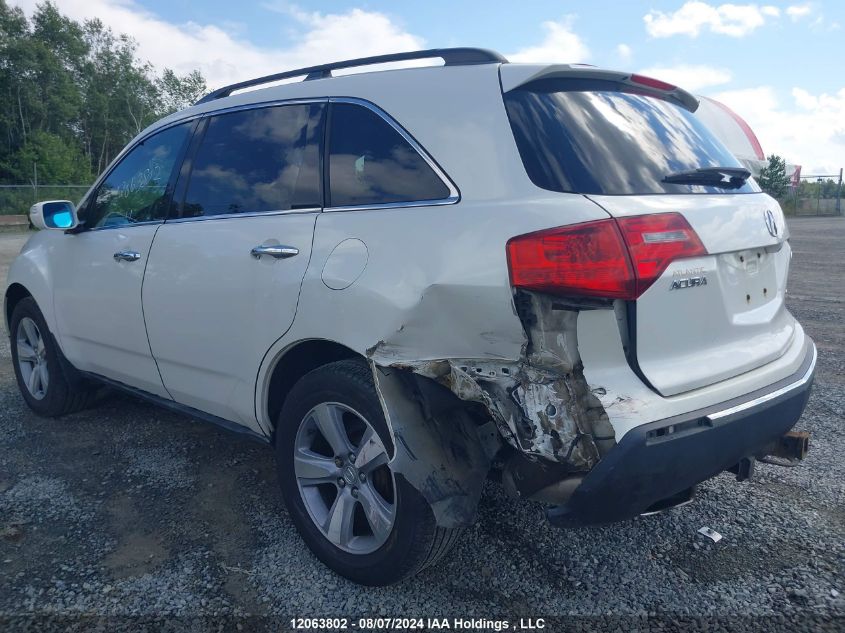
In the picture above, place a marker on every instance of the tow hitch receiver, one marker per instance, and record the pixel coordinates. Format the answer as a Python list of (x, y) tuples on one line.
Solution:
[(787, 450), (792, 445)]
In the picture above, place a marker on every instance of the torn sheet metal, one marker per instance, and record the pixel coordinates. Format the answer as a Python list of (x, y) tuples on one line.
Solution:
[(437, 447), (541, 402), (539, 412)]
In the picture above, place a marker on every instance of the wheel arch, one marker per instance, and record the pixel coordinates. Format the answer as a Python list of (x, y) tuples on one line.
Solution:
[(292, 364), (14, 294), (31, 274)]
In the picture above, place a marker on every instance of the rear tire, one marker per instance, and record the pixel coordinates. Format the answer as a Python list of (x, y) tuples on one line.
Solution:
[(367, 550), (41, 371)]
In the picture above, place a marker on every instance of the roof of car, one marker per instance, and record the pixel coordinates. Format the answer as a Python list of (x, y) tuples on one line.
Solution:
[(462, 99)]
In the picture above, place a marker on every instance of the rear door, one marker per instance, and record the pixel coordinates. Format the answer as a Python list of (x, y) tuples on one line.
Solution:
[(699, 315), (223, 280)]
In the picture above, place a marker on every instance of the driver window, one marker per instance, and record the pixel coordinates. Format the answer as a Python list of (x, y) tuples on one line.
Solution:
[(136, 189)]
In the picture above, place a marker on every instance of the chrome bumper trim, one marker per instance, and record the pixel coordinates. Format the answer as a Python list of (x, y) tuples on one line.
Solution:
[(808, 375)]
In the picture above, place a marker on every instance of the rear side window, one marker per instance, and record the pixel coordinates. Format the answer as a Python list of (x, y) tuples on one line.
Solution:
[(259, 160), (371, 163), (598, 137)]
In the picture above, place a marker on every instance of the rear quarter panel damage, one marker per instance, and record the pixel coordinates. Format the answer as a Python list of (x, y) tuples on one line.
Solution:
[(540, 402), (442, 309)]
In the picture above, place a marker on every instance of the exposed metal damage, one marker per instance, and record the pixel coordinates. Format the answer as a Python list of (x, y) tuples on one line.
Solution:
[(437, 447), (540, 403)]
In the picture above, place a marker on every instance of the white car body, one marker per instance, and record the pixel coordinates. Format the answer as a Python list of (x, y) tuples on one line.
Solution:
[(423, 288)]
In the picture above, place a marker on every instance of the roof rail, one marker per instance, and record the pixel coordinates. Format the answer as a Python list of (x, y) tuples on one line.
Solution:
[(450, 57)]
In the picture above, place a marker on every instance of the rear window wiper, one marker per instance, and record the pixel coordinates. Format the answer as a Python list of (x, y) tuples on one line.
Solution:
[(721, 177)]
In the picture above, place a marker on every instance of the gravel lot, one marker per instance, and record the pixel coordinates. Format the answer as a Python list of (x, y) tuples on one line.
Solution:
[(129, 510)]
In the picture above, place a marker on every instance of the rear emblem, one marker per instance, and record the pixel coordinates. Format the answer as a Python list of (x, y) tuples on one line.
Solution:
[(688, 278), (688, 282), (771, 224)]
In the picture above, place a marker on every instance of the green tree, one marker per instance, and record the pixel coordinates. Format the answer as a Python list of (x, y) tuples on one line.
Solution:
[(59, 48), (773, 179), (17, 69), (58, 162), (176, 93), (73, 94), (119, 96)]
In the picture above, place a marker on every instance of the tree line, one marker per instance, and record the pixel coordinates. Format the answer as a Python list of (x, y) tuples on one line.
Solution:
[(72, 94), (774, 181)]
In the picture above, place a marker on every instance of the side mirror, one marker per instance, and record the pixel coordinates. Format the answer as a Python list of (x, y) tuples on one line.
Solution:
[(55, 214)]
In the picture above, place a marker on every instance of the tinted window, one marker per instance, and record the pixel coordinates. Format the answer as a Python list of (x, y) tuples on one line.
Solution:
[(266, 159), (371, 163), (595, 137), (136, 189)]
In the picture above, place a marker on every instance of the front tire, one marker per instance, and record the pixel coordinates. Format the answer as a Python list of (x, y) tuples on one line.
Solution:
[(39, 371), (361, 519)]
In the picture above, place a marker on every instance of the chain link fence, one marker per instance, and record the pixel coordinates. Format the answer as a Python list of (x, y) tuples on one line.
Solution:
[(819, 194), (16, 199)]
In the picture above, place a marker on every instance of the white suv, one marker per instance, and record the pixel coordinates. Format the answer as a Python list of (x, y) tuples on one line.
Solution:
[(410, 279)]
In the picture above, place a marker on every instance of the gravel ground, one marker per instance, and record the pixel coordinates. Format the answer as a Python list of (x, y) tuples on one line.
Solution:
[(129, 510)]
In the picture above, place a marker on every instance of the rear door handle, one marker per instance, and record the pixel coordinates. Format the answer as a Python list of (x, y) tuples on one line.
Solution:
[(127, 256), (277, 251)]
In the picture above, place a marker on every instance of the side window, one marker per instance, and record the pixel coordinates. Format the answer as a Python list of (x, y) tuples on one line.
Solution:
[(136, 189), (265, 159), (371, 163)]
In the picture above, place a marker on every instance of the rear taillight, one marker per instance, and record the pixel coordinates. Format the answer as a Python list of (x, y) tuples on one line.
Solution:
[(617, 259), (655, 241), (581, 259)]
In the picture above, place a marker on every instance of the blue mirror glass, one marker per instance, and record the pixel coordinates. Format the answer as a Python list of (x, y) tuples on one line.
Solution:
[(63, 220), (58, 215)]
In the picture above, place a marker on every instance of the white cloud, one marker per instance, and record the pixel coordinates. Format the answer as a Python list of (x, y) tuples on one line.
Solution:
[(798, 11), (690, 77), (804, 99), (624, 52), (561, 44), (224, 58), (808, 130), (735, 20)]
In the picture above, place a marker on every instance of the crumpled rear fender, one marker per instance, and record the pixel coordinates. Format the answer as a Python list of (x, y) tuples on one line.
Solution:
[(437, 446), (539, 404)]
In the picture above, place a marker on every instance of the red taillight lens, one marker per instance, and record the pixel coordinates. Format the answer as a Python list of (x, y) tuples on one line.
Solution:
[(655, 241), (617, 259), (581, 259)]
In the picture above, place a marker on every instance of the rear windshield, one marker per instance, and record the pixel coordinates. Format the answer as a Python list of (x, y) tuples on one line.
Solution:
[(599, 137)]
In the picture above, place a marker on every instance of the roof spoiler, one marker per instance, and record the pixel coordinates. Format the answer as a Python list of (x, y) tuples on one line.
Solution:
[(516, 76)]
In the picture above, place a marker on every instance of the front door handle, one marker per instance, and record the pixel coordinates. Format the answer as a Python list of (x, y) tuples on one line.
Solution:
[(274, 250), (127, 256)]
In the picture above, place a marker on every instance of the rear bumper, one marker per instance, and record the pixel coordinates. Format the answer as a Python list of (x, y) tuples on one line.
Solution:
[(656, 461)]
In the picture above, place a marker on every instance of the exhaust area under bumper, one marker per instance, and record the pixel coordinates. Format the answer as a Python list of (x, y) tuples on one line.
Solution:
[(658, 461)]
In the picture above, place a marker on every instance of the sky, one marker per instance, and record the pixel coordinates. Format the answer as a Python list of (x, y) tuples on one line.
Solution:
[(780, 65)]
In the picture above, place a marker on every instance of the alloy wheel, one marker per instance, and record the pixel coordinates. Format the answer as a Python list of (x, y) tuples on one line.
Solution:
[(341, 470), (32, 358)]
